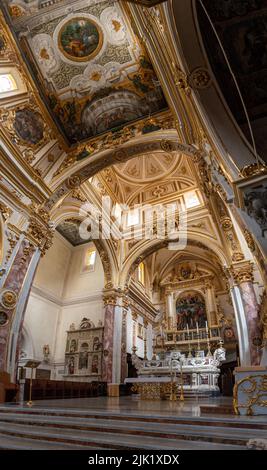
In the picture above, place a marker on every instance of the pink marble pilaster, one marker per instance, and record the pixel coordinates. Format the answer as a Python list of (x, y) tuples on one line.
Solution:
[(14, 282), (252, 316), (123, 346), (107, 363)]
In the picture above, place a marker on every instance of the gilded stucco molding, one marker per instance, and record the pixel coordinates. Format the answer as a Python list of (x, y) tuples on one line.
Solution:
[(112, 140), (255, 169), (5, 211), (249, 239), (8, 299), (243, 272)]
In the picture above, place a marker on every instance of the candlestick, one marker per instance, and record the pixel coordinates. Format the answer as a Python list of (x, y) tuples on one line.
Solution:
[(209, 354), (197, 328), (189, 345)]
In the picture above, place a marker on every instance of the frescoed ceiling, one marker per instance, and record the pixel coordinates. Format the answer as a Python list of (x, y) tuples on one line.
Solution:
[(242, 28), (90, 67), (69, 229)]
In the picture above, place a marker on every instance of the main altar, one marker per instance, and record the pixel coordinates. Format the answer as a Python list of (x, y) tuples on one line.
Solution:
[(175, 375), (187, 339)]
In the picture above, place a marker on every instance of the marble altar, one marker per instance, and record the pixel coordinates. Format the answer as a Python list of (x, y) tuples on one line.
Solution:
[(195, 375)]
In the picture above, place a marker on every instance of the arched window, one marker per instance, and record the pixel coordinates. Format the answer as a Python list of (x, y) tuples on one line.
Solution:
[(191, 199), (7, 83), (141, 273), (90, 259)]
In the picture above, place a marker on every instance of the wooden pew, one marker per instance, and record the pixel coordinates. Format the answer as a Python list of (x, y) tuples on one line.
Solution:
[(8, 390)]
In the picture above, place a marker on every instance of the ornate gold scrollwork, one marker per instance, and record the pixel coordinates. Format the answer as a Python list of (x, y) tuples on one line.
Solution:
[(41, 235), (255, 388), (253, 170)]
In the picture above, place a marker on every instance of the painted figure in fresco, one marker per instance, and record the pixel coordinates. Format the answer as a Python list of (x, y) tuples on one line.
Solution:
[(79, 38), (29, 126), (71, 366), (191, 309)]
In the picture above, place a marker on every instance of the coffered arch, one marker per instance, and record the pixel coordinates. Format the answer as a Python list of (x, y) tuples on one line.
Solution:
[(147, 247), (76, 175)]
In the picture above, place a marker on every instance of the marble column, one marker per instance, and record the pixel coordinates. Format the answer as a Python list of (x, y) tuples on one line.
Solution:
[(108, 338), (243, 276), (134, 331), (170, 310), (13, 299), (124, 371), (211, 303), (145, 339)]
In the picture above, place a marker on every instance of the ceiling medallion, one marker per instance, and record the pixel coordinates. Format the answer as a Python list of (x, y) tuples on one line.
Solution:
[(200, 78), (80, 39), (8, 299)]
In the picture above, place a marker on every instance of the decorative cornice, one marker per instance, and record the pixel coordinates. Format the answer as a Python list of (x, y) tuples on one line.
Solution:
[(255, 169), (62, 302)]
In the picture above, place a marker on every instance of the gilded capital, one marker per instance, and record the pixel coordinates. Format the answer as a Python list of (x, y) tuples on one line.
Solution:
[(243, 272), (110, 300)]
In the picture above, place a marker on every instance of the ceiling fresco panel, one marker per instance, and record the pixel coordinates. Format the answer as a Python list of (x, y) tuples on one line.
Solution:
[(89, 65)]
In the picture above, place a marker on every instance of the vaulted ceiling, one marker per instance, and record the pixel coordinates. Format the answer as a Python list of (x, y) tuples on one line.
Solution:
[(148, 178), (92, 71)]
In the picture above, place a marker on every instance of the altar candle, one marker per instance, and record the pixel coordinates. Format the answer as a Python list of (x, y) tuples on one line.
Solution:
[(187, 328), (207, 327), (197, 327)]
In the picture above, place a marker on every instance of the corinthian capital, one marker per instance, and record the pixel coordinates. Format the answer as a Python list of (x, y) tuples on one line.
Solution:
[(243, 272)]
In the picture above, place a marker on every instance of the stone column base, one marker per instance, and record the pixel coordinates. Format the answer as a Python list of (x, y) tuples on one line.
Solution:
[(113, 390)]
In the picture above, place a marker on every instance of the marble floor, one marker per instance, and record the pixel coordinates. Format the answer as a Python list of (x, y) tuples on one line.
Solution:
[(132, 405), (126, 423)]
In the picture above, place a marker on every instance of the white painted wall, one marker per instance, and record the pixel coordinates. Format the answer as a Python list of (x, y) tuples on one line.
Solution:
[(62, 294), (53, 267)]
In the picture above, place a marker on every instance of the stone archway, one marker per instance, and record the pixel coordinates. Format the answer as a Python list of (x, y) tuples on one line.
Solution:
[(73, 177)]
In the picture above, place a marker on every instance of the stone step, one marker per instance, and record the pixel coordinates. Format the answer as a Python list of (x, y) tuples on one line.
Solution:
[(216, 433), (9, 442), (104, 440), (225, 421), (218, 410)]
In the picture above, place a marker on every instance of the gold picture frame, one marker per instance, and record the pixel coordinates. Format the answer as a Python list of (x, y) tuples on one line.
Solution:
[(89, 56)]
